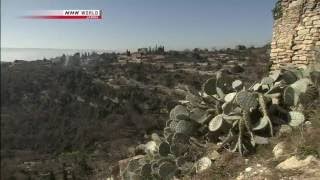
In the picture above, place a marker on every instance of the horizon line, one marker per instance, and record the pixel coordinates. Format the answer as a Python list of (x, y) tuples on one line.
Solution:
[(124, 49)]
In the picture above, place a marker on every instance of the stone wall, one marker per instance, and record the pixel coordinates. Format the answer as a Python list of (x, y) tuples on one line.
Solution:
[(296, 34)]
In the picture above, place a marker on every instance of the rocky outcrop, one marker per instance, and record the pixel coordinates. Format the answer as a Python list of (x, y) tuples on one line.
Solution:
[(296, 34)]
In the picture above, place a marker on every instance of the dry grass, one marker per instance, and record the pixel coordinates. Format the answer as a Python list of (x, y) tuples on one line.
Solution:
[(313, 114)]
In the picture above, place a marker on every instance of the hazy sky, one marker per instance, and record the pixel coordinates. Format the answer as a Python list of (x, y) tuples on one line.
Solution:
[(177, 24)]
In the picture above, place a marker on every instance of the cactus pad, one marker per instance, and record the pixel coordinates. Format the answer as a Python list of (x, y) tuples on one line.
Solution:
[(237, 85), (267, 81), (146, 170), (229, 97), (216, 123), (262, 123), (180, 138), (173, 125), (256, 87), (315, 77), (301, 85), (275, 89), (164, 149), (168, 123), (172, 115), (290, 98), (169, 138), (180, 161), (209, 87), (194, 100), (178, 149), (220, 93), (246, 100), (231, 117), (167, 132), (296, 118), (154, 166), (198, 115), (275, 74), (227, 108), (298, 72), (185, 127), (166, 170), (133, 165), (289, 77), (181, 113), (224, 82)]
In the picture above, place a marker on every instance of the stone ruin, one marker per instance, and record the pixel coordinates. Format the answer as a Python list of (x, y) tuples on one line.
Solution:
[(296, 34)]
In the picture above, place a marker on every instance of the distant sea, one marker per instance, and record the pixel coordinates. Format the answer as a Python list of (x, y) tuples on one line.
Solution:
[(30, 54)]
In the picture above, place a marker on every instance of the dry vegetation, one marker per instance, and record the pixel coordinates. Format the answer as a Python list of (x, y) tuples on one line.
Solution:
[(62, 117)]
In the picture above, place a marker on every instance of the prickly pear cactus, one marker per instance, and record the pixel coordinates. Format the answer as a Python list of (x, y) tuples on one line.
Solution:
[(229, 114)]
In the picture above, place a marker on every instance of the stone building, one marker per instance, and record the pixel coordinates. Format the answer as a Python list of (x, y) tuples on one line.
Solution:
[(296, 33)]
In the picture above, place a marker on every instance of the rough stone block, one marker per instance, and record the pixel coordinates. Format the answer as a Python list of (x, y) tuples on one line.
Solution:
[(303, 58), (306, 19), (300, 27), (317, 22), (308, 23), (307, 42), (303, 32), (315, 17), (296, 47)]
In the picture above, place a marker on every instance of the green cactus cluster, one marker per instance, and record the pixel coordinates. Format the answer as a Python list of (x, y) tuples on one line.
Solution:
[(227, 113)]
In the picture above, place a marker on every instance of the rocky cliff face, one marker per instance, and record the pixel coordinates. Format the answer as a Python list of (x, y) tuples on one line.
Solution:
[(296, 33)]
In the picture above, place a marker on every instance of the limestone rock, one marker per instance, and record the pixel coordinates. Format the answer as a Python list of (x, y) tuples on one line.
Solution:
[(279, 150), (294, 163), (203, 164)]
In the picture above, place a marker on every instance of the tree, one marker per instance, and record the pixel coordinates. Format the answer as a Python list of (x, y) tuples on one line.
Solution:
[(241, 47), (128, 53)]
